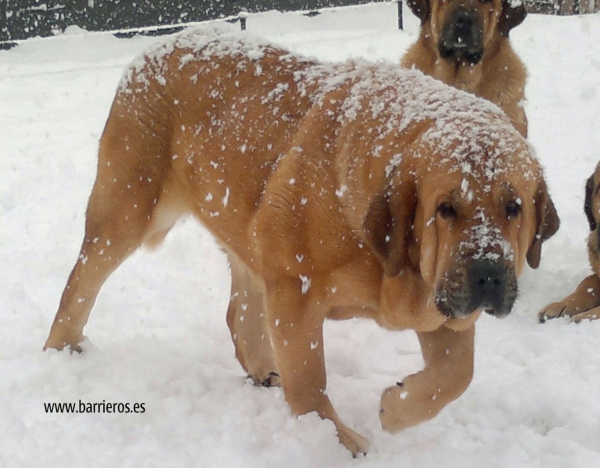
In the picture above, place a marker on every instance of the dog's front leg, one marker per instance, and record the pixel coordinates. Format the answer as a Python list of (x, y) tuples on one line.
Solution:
[(585, 298), (448, 371), (296, 320)]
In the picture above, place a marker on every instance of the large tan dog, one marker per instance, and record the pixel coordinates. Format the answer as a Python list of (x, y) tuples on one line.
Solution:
[(584, 303), (336, 190), (464, 43)]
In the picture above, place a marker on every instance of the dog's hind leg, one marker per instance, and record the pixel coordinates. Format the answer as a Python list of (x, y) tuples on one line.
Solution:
[(126, 208), (247, 321)]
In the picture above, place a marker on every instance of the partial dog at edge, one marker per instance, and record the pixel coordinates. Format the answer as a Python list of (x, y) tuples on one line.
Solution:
[(584, 303), (465, 44), (336, 190)]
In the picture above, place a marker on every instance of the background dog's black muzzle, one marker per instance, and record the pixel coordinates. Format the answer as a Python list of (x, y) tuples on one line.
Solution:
[(462, 37)]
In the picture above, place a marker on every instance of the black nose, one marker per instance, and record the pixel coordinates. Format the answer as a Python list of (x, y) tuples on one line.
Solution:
[(487, 277), (463, 24), (487, 280)]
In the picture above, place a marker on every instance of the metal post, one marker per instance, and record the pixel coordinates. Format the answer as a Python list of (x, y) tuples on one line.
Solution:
[(400, 18), (557, 7), (243, 16)]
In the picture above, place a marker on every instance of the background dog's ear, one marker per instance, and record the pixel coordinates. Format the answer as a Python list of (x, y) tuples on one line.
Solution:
[(420, 8), (511, 16), (547, 223), (387, 227), (587, 206)]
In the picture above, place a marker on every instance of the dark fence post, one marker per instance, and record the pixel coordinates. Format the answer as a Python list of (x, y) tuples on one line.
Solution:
[(3, 21), (557, 7), (243, 16), (400, 17)]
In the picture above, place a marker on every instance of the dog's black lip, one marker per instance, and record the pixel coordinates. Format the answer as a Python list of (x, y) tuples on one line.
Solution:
[(450, 313), (445, 51), (447, 311), (474, 57), (471, 56)]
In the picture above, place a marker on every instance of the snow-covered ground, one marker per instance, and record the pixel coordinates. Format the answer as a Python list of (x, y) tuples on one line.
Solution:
[(158, 334)]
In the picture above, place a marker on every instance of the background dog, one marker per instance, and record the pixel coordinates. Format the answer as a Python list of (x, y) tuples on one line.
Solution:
[(464, 43), (334, 192), (584, 303)]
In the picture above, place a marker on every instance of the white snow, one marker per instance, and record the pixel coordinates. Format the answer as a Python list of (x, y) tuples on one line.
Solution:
[(158, 334), (305, 280)]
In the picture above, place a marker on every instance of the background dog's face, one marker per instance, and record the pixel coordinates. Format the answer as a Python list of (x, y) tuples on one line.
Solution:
[(468, 228), (462, 30), (592, 212)]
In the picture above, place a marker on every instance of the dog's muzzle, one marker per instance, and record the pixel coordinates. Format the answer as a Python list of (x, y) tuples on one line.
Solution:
[(481, 284), (462, 37)]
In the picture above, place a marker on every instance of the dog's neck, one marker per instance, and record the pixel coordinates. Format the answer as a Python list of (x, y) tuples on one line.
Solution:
[(461, 75)]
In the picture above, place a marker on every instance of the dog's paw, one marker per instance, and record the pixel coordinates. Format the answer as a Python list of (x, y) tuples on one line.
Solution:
[(353, 441), (267, 380), (400, 409), (555, 310), (392, 412), (73, 345)]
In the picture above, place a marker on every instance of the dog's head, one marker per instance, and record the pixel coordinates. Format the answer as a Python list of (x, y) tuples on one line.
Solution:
[(463, 29), (467, 218), (591, 208)]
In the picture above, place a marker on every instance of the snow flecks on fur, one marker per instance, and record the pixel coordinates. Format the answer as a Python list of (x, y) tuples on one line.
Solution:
[(202, 45), (225, 199), (305, 280), (394, 162), (469, 131), (485, 241)]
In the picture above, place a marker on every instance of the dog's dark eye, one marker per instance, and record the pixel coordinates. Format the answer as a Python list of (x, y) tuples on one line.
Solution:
[(447, 211), (513, 208)]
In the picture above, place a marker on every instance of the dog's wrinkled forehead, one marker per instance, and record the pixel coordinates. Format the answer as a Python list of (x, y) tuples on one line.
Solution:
[(481, 153)]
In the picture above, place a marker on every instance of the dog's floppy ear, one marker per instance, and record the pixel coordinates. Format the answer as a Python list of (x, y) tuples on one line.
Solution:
[(513, 13), (587, 206), (388, 224), (547, 223), (420, 8)]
